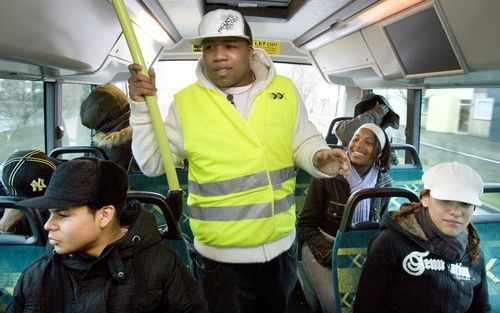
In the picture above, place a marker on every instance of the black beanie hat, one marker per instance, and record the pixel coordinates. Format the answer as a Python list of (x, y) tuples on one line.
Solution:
[(83, 181)]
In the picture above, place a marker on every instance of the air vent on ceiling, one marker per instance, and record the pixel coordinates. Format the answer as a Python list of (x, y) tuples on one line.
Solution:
[(278, 9)]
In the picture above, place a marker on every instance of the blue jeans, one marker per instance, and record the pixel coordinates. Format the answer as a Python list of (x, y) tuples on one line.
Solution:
[(250, 287)]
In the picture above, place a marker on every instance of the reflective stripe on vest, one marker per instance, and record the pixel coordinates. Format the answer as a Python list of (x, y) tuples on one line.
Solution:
[(242, 212), (239, 184)]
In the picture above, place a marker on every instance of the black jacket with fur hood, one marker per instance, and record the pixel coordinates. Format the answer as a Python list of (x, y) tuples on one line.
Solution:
[(138, 273), (405, 273)]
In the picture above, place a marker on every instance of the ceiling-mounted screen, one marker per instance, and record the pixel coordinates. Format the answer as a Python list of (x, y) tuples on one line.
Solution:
[(422, 46)]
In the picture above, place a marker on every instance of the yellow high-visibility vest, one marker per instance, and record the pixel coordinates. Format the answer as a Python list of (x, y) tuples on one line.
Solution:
[(241, 173)]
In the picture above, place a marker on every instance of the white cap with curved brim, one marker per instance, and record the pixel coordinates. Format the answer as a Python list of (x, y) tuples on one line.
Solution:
[(222, 23), (454, 181)]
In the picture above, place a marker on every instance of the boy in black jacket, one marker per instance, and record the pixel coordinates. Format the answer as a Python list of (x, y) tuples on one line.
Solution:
[(96, 260)]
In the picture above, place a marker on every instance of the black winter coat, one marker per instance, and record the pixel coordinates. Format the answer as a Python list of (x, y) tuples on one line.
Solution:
[(138, 273), (404, 273), (324, 207)]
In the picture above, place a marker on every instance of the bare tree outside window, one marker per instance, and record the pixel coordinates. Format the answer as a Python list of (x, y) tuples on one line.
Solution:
[(21, 116)]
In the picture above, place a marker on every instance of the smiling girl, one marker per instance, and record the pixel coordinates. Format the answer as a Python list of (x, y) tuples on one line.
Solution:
[(319, 220)]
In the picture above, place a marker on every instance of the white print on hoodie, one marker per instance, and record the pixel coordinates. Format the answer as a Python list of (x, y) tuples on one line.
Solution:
[(415, 264)]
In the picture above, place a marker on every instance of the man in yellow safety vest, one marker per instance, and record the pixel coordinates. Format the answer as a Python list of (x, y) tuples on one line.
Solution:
[(243, 129)]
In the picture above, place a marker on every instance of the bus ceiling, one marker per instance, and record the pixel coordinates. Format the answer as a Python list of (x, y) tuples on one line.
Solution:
[(426, 44), (358, 43)]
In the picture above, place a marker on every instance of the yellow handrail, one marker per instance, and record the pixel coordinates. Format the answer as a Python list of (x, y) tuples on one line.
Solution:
[(154, 112)]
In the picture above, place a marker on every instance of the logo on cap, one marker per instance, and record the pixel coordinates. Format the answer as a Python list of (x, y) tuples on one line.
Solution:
[(228, 24), (38, 184)]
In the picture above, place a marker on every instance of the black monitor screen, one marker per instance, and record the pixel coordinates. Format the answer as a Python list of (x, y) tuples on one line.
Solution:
[(421, 44)]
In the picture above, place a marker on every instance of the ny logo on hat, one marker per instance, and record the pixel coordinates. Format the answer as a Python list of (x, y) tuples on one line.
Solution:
[(228, 24), (38, 184)]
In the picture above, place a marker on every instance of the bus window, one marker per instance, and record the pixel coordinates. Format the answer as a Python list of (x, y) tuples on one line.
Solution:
[(75, 134), (171, 77), (463, 124), (321, 99), (21, 116)]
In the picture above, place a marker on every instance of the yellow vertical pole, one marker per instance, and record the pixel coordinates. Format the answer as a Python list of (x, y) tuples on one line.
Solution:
[(154, 111)]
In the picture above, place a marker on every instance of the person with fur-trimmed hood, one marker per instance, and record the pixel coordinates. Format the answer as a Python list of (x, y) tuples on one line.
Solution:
[(106, 111)]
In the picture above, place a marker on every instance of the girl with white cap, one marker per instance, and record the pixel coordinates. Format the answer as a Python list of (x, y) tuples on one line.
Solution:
[(426, 257), (319, 219)]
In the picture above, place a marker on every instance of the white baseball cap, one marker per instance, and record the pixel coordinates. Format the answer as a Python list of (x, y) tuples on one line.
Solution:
[(454, 181), (223, 23)]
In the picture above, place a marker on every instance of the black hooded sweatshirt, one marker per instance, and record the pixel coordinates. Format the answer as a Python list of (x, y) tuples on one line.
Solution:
[(405, 273)]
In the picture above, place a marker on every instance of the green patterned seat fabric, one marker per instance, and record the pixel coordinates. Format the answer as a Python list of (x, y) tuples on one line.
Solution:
[(489, 233), (349, 255)]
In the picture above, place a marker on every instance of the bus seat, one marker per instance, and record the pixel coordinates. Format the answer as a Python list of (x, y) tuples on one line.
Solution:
[(351, 244), (140, 182), (79, 151), (302, 183), (407, 173), (18, 251), (167, 225), (331, 138), (488, 226)]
